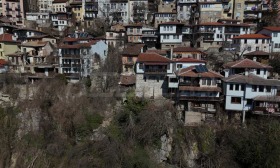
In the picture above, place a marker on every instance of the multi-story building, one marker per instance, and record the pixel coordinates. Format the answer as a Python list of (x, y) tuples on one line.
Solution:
[(167, 6), (253, 11), (77, 11), (23, 33), (274, 33), (187, 52), (8, 45), (31, 6), (162, 17), (198, 92), (246, 80), (90, 11), (38, 17), (77, 55), (116, 36), (187, 11), (61, 14), (138, 10), (130, 54), (14, 11), (45, 5), (151, 70), (246, 43), (149, 37), (134, 33), (170, 34), (210, 11)]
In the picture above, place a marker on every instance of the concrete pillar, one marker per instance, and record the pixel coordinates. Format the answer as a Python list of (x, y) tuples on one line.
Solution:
[(243, 116), (46, 72)]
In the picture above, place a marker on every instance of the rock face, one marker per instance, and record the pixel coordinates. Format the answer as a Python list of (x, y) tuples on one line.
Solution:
[(163, 153)]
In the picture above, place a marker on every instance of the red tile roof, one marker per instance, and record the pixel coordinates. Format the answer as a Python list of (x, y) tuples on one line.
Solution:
[(127, 79), (203, 89), (7, 38), (251, 79), (80, 45), (132, 49), (3, 62), (161, 52), (272, 28), (186, 49), (189, 60), (152, 57), (191, 72), (245, 63), (252, 36)]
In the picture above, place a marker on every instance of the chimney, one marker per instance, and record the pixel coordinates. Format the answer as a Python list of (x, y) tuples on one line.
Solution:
[(255, 59), (226, 73)]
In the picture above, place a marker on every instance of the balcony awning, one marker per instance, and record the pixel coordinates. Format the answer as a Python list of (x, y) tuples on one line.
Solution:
[(156, 63)]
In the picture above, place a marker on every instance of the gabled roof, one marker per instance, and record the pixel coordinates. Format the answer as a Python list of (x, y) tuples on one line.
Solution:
[(252, 36), (152, 57), (133, 49), (7, 38), (160, 52), (186, 49), (246, 63), (251, 79), (256, 53), (189, 60), (3, 62), (191, 72), (78, 46), (272, 28), (28, 29)]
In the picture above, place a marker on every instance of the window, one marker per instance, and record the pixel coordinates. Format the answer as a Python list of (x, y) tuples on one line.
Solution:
[(138, 30), (111, 34), (238, 6), (261, 88), (249, 101), (257, 48), (164, 28), (175, 36), (254, 88), (141, 66), (263, 41), (249, 48), (203, 81), (257, 41), (258, 71), (0, 45), (131, 30), (171, 28), (208, 82), (237, 87), (214, 82), (179, 65), (264, 72), (268, 88), (231, 87), (242, 87), (245, 41), (274, 34), (276, 45), (235, 100)]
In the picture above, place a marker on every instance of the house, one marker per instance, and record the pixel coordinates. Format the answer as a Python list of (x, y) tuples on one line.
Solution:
[(259, 56), (78, 11), (61, 15), (130, 54), (48, 38), (151, 71), (14, 11), (134, 33), (78, 53), (3, 66), (266, 105), (274, 33), (187, 11), (244, 81), (253, 11), (90, 11), (115, 37), (23, 33), (251, 42), (210, 11), (39, 17), (162, 17), (8, 45), (7, 28), (170, 34), (138, 10), (188, 52), (149, 37), (198, 94), (187, 62), (45, 5)]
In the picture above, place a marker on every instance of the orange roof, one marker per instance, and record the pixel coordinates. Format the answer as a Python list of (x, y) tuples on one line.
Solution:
[(80, 45), (152, 57), (272, 28), (3, 62), (252, 36), (6, 38), (191, 72), (190, 60), (245, 63), (186, 49)]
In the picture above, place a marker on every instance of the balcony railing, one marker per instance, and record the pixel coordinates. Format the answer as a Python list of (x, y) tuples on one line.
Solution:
[(155, 71), (189, 84), (206, 31), (232, 31)]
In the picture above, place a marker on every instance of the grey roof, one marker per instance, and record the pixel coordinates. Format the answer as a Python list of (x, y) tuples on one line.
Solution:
[(251, 79)]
